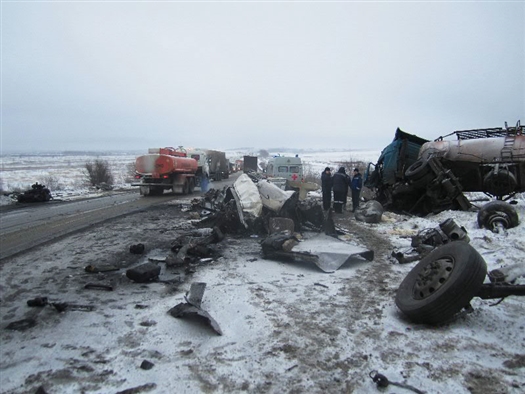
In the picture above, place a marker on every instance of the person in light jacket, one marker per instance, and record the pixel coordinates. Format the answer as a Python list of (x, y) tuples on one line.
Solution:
[(356, 185), (341, 182), (326, 187)]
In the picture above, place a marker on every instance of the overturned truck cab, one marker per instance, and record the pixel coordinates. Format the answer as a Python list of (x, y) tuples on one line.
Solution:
[(418, 176)]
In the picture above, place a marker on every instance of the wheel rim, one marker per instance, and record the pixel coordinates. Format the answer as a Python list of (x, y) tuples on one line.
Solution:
[(498, 219), (433, 276)]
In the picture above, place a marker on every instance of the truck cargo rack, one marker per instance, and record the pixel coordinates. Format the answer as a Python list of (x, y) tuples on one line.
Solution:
[(493, 132)]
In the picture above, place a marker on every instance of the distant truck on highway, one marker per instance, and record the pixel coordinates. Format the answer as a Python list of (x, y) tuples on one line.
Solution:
[(249, 163), (219, 165), (165, 169)]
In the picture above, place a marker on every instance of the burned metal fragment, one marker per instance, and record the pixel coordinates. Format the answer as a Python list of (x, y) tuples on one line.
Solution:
[(21, 325), (137, 249), (427, 239), (195, 245), (100, 268), (278, 224), (144, 273), (139, 389), (38, 301), (63, 306), (192, 307), (147, 365), (369, 212)]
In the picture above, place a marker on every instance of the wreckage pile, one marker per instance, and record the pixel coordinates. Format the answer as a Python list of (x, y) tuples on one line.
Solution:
[(256, 206), (253, 207)]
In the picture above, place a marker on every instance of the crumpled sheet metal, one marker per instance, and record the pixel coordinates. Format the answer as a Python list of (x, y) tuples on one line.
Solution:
[(192, 307), (332, 253), (247, 199), (248, 195), (272, 196), (327, 252)]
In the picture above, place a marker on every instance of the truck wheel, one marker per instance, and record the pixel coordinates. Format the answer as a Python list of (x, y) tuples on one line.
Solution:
[(497, 213), (499, 183), (145, 191), (186, 187), (192, 186), (442, 283), (419, 173)]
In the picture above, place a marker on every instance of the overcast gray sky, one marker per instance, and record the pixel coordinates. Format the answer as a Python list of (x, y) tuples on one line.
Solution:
[(135, 75)]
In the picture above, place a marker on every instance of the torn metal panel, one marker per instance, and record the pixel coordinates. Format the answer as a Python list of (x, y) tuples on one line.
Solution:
[(328, 253), (331, 252), (192, 307), (196, 293), (249, 198), (144, 273), (278, 224), (272, 197)]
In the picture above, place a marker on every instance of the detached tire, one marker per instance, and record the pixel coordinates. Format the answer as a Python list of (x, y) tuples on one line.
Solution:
[(419, 173), (497, 213), (442, 283)]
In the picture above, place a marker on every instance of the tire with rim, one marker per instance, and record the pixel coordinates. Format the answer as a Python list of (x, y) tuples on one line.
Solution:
[(419, 173), (500, 182), (186, 187), (145, 191), (442, 283), (192, 186), (497, 212)]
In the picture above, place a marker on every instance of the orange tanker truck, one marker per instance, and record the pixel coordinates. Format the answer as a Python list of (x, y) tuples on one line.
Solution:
[(165, 168)]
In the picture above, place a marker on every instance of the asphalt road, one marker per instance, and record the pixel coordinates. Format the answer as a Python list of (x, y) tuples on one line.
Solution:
[(35, 224), (26, 226)]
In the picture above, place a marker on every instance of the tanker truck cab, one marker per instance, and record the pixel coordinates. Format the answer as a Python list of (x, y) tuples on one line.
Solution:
[(203, 169), (165, 169), (287, 167)]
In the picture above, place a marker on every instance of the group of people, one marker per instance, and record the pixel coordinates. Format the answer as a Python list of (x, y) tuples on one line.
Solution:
[(339, 184)]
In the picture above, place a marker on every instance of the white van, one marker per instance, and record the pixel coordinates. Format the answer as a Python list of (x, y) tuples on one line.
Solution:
[(289, 168)]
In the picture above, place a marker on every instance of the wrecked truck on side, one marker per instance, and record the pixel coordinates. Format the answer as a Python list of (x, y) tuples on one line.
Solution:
[(418, 176)]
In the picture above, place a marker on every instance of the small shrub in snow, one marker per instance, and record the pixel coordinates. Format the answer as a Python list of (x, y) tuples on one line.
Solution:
[(310, 175), (52, 182), (98, 172)]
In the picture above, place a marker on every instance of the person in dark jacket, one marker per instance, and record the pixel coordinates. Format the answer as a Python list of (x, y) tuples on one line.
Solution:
[(356, 185), (341, 182), (326, 187)]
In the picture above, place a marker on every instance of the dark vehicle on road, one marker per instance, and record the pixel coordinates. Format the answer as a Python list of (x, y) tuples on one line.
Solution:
[(37, 193)]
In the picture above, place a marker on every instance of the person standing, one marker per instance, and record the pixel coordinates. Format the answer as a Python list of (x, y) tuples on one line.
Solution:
[(357, 184), (341, 181), (326, 187)]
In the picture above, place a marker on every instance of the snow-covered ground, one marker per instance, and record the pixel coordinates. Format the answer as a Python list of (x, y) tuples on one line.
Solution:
[(288, 327)]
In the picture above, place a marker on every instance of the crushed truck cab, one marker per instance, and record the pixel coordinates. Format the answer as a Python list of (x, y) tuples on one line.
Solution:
[(418, 176)]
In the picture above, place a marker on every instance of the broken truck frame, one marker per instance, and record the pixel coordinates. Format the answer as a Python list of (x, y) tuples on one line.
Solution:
[(418, 176)]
